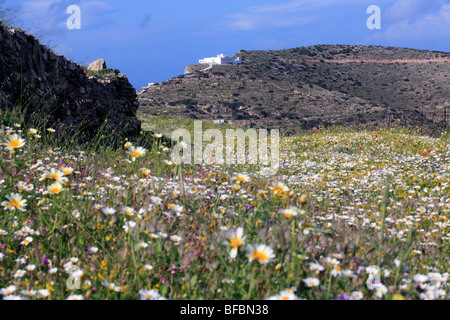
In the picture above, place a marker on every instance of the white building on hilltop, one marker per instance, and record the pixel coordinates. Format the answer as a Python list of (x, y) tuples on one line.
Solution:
[(220, 59)]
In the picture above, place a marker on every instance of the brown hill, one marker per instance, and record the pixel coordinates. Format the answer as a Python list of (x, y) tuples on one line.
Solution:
[(311, 86)]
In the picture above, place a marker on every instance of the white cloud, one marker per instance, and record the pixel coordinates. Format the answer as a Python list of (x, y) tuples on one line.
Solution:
[(50, 15), (64, 50), (272, 15), (401, 10), (292, 21), (285, 14), (431, 26), (404, 22), (286, 7), (249, 22)]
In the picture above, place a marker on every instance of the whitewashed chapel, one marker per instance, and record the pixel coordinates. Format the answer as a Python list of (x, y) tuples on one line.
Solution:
[(220, 59)]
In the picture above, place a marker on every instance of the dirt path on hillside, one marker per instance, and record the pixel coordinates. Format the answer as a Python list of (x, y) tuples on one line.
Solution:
[(369, 60)]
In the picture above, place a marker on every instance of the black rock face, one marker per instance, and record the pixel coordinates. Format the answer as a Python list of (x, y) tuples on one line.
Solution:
[(58, 93)]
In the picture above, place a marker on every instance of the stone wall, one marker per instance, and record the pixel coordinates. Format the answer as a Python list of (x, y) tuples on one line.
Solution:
[(59, 91)]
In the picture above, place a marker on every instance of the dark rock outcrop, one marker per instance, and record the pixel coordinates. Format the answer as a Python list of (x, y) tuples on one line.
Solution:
[(57, 91)]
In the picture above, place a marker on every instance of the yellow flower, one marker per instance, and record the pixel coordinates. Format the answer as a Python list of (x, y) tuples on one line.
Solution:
[(290, 212), (154, 236), (128, 211), (236, 242), (236, 187), (49, 287), (240, 178), (66, 170), (55, 188), (13, 142), (136, 152), (236, 239), (16, 201), (54, 175), (303, 199), (279, 187), (261, 253)]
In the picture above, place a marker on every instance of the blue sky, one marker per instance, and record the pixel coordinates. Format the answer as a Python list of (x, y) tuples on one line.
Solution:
[(152, 41)]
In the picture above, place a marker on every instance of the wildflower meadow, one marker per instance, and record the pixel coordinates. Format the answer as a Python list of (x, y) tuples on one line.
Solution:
[(92, 222)]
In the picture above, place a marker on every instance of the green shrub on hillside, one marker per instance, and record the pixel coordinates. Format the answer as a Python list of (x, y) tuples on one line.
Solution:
[(106, 74)]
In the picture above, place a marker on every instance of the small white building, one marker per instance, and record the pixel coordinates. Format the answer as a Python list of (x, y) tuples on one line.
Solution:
[(219, 121), (220, 59)]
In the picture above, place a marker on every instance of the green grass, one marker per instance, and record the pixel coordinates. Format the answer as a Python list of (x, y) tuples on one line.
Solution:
[(364, 198), (165, 124), (106, 74)]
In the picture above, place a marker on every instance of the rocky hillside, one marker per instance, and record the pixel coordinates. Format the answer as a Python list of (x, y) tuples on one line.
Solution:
[(50, 88), (311, 86)]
